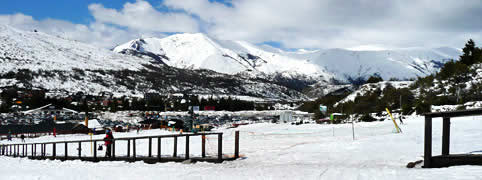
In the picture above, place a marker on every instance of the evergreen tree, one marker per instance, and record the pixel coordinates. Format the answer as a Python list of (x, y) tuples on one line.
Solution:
[(472, 54)]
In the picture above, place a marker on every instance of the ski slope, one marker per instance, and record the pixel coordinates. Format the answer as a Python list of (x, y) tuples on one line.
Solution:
[(280, 151)]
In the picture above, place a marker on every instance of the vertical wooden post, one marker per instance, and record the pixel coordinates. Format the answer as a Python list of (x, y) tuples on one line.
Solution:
[(446, 136), (236, 144), (220, 147), (54, 152), (95, 150), (79, 149), (128, 148), (174, 154), (18, 150), (31, 150), (187, 146), (23, 150), (66, 151), (35, 149), (134, 149), (150, 148), (203, 146), (427, 163), (159, 149), (113, 149)]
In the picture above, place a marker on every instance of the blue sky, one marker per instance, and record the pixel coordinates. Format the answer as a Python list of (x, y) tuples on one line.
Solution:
[(75, 11), (289, 24)]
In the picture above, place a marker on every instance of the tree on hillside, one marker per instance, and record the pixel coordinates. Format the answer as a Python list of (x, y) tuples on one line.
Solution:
[(472, 54), (374, 78)]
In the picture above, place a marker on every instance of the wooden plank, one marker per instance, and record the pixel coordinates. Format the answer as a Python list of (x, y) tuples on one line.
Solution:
[(236, 144), (469, 112), (446, 136), (428, 142)]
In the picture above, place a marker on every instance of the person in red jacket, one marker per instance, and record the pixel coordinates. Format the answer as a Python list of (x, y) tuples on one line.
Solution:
[(108, 142)]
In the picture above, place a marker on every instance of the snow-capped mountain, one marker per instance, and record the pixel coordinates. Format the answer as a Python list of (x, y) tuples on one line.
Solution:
[(198, 51), (35, 60), (39, 51), (401, 63)]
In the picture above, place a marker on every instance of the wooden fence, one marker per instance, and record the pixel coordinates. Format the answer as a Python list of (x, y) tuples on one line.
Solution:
[(447, 159), (39, 150)]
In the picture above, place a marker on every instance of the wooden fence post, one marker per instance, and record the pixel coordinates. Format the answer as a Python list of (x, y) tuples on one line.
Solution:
[(174, 154), (54, 150), (158, 149), (203, 146), (150, 148), (79, 149), (95, 150), (187, 146), (236, 144), (134, 149), (220, 147), (446, 136), (66, 151), (128, 148), (428, 143), (113, 149)]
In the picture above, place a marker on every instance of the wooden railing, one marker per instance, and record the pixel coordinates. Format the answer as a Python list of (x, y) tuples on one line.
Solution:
[(21, 150), (446, 159)]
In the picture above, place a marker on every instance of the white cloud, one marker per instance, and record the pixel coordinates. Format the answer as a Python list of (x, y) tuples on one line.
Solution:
[(334, 23), (294, 23), (142, 16), (97, 34)]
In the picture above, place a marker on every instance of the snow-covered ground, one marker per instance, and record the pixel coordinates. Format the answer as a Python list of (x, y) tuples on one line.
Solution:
[(280, 151)]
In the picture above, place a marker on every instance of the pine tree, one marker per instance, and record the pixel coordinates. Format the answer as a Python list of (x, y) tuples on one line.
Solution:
[(472, 54)]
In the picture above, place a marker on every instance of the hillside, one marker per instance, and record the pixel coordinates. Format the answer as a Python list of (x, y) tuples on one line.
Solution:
[(35, 60)]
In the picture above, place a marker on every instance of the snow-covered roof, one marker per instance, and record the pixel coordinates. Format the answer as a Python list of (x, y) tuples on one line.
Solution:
[(93, 123)]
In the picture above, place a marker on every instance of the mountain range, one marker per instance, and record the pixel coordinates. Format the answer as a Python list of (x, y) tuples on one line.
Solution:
[(199, 51), (196, 64)]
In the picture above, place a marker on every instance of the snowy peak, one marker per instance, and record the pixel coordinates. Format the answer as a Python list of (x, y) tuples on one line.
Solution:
[(199, 51)]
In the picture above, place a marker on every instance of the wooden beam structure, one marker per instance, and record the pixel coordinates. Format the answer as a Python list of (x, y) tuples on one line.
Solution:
[(14, 149), (446, 159)]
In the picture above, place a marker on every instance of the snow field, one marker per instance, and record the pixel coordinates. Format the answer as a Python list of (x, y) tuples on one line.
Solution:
[(283, 151)]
